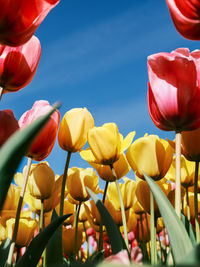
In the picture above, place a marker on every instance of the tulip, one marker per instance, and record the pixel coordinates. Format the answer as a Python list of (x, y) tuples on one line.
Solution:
[(186, 17), (68, 239), (174, 90), (25, 232), (72, 134), (20, 19), (8, 125), (150, 155), (190, 202), (106, 144), (18, 65), (41, 180), (44, 142), (132, 220), (78, 179), (69, 208), (121, 167)]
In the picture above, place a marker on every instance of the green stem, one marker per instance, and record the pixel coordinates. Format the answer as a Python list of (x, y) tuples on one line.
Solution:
[(188, 205), (88, 251), (121, 205), (196, 202), (76, 227), (178, 175), (19, 207), (41, 220), (143, 241), (152, 230), (101, 222), (62, 197)]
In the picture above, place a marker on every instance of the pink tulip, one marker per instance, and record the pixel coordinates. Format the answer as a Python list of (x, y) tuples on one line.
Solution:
[(8, 125), (19, 64), (174, 90), (119, 258), (186, 17), (19, 19), (44, 142)]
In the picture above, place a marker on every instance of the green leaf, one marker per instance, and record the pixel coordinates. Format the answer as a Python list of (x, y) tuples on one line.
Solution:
[(178, 237), (54, 250), (38, 244), (14, 149), (189, 229), (114, 235), (192, 258), (4, 250)]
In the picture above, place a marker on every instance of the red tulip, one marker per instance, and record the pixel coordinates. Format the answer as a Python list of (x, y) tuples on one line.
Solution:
[(19, 19), (8, 125), (174, 90), (44, 142), (186, 17), (19, 64)]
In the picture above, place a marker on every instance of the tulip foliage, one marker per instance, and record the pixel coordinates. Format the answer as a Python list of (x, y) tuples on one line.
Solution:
[(129, 221)]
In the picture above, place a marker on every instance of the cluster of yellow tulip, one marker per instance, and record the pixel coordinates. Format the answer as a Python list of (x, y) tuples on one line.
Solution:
[(128, 202)]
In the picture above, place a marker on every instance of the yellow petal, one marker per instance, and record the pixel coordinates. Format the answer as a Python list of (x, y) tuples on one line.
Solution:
[(127, 141)]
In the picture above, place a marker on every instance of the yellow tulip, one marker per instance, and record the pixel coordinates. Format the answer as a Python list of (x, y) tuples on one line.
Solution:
[(12, 198), (191, 145), (72, 134), (150, 155), (2, 233), (191, 205), (132, 220), (78, 179), (187, 172), (121, 167), (25, 231), (106, 144), (68, 239), (68, 208)]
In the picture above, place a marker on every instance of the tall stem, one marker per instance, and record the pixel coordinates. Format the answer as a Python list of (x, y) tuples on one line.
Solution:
[(62, 197), (76, 227), (196, 202), (101, 222), (19, 207), (41, 220), (188, 204), (178, 175), (121, 205), (1, 92), (152, 231)]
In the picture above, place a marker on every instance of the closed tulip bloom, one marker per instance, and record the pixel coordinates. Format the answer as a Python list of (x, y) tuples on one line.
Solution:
[(78, 179), (25, 231), (187, 172), (190, 141), (20, 19), (132, 220), (18, 65), (72, 134), (150, 155), (68, 240), (9, 125), (191, 205), (68, 208), (41, 180), (174, 90), (121, 167), (106, 144), (45, 140), (186, 17)]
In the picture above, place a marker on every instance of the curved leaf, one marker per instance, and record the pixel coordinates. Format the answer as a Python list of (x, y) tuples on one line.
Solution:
[(4, 250), (38, 244), (178, 237), (15, 148)]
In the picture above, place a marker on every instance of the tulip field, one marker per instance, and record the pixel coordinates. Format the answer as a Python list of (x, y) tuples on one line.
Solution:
[(49, 220)]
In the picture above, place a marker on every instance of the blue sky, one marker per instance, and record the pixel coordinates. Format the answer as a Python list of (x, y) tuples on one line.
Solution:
[(94, 55)]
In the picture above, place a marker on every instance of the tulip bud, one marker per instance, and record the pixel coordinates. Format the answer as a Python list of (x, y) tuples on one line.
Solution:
[(150, 155), (19, 65), (72, 134), (20, 19), (8, 125), (45, 140), (68, 239)]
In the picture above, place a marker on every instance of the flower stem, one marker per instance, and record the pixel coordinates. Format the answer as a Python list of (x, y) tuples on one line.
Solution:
[(1, 92), (62, 197), (152, 231), (76, 227), (121, 205), (19, 207), (188, 205), (87, 240), (41, 220), (178, 175), (101, 222), (196, 202)]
